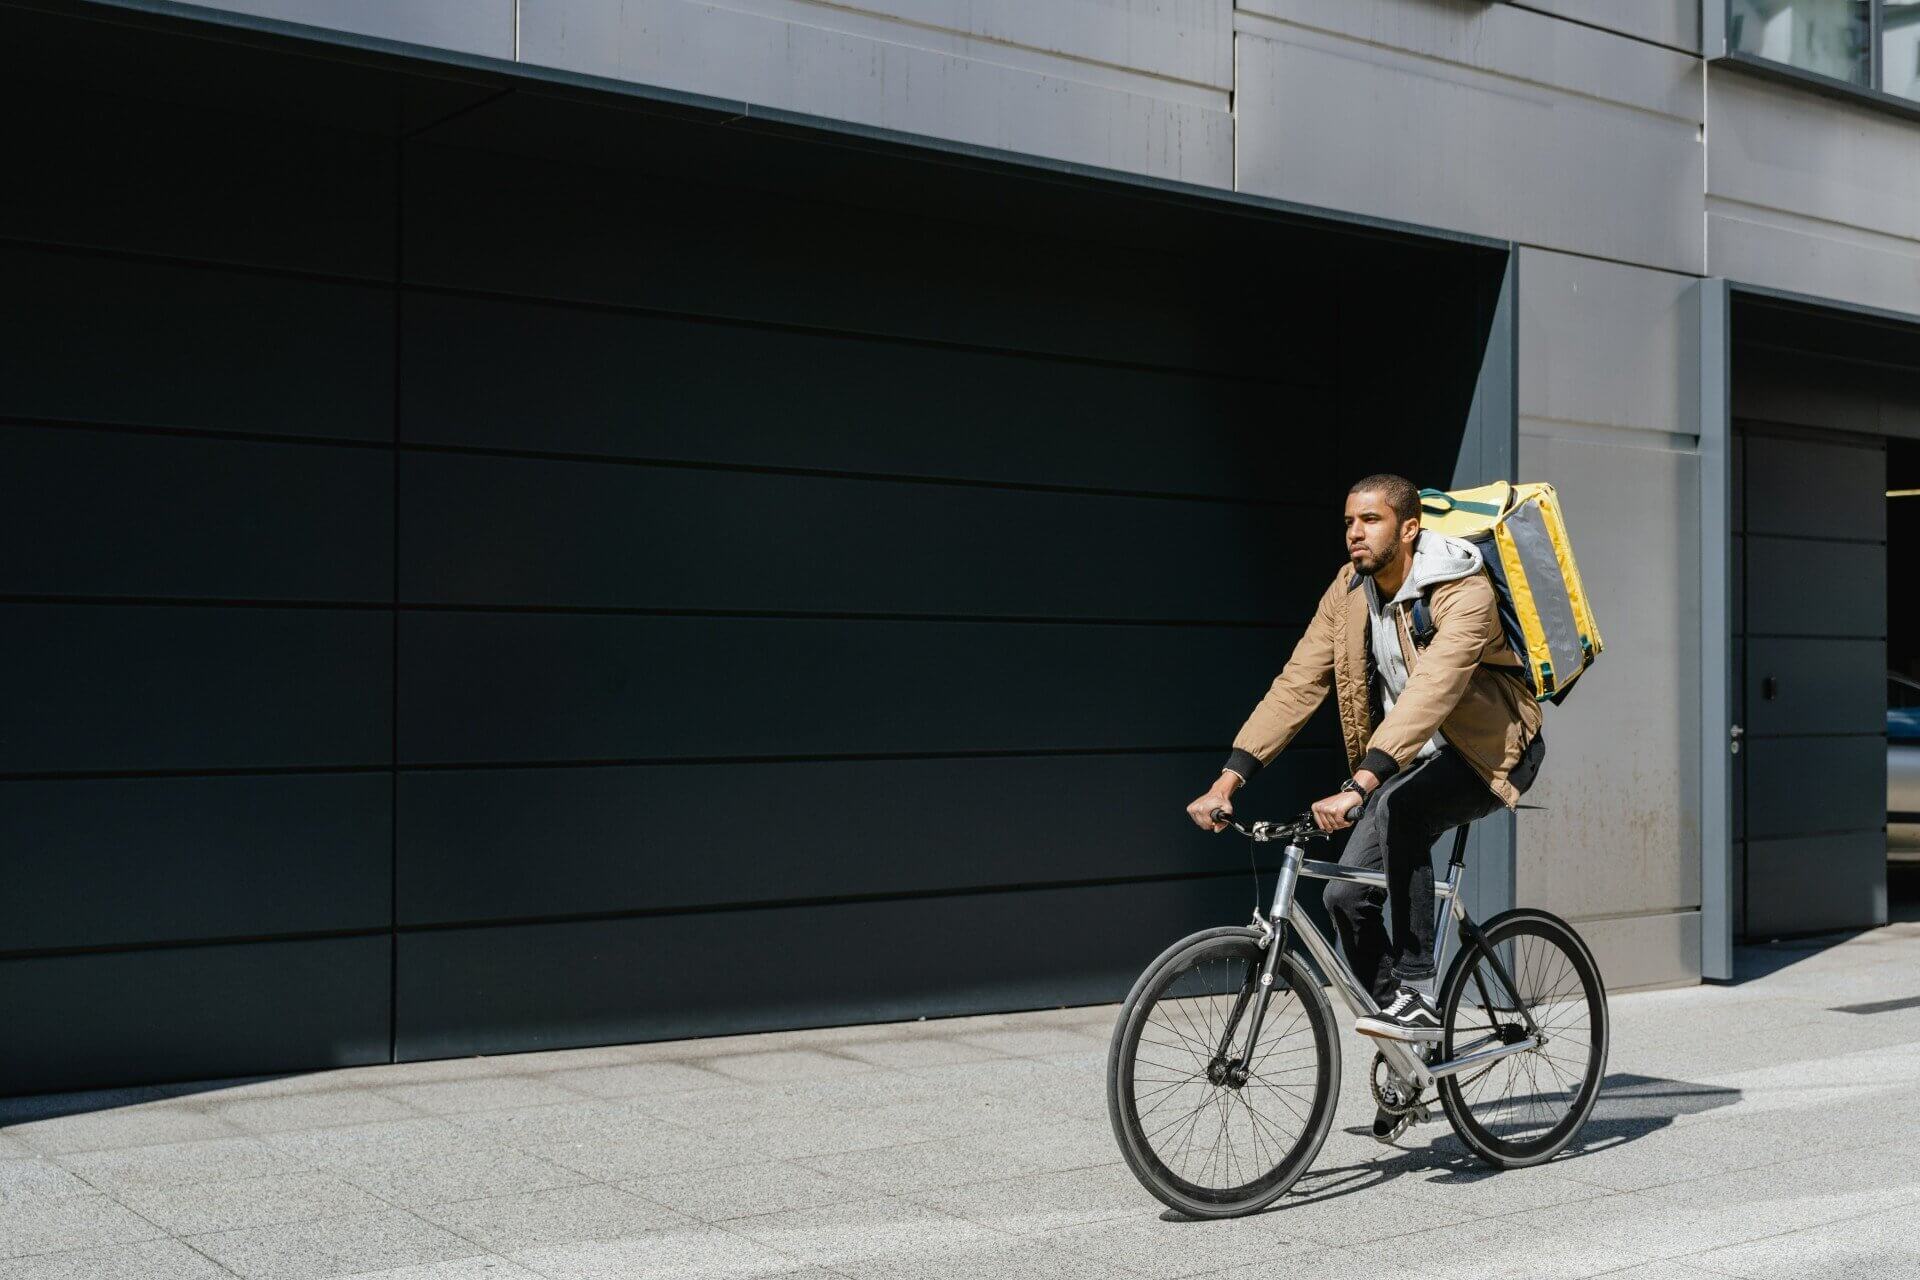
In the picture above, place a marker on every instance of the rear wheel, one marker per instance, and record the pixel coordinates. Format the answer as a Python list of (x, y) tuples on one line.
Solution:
[(1212, 1126), (1523, 1109)]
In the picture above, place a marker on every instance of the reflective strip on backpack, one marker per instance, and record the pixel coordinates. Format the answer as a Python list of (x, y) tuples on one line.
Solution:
[(1533, 546)]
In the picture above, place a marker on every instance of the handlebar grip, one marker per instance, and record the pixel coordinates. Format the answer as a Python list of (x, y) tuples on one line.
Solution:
[(1353, 814), (1220, 815)]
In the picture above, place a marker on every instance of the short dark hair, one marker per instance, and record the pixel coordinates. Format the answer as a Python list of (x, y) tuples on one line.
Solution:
[(1401, 493)]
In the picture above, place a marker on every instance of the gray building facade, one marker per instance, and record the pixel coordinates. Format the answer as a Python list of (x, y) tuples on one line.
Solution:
[(563, 521)]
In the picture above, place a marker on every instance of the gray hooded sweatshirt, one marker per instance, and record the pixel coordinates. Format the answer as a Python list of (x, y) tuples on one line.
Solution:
[(1436, 559)]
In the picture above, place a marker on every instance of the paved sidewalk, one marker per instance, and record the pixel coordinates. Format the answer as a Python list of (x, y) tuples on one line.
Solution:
[(1757, 1130)]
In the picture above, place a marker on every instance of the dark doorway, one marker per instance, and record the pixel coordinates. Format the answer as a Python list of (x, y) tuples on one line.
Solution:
[(1826, 408)]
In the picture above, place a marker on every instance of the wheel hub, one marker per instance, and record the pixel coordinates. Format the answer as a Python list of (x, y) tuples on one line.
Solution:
[(1230, 1072)]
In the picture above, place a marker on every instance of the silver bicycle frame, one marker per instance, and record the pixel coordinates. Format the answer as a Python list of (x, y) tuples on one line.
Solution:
[(1403, 1057)]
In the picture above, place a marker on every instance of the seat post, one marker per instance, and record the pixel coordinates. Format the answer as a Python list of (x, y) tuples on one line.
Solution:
[(1459, 845)]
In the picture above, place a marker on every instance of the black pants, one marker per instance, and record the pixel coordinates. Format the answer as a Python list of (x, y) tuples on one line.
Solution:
[(1403, 819)]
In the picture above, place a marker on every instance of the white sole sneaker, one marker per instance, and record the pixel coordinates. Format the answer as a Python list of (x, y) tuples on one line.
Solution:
[(1380, 1030)]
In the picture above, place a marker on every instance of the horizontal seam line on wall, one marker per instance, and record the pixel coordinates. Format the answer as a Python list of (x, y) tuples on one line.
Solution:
[(682, 464), (627, 762), (1594, 26), (1810, 537), (631, 611), (601, 306), (1040, 52), (1879, 735), (1258, 19), (1813, 835), (1804, 635), (383, 287), (833, 473), (637, 913)]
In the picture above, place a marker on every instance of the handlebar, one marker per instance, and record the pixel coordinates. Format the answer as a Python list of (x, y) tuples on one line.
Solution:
[(1301, 828)]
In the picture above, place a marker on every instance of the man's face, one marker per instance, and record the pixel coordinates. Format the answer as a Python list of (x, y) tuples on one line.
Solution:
[(1376, 538)]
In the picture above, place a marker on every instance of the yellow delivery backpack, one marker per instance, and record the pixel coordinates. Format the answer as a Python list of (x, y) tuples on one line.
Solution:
[(1543, 607)]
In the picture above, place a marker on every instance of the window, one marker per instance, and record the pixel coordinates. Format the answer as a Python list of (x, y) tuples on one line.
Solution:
[(1900, 48), (1871, 44)]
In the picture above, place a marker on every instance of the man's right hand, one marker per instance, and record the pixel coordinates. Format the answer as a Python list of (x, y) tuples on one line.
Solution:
[(1219, 796)]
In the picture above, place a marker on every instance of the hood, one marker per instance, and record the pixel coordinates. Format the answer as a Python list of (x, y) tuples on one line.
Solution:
[(1438, 558)]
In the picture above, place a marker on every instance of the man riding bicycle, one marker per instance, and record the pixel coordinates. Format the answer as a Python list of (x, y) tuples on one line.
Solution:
[(1438, 724)]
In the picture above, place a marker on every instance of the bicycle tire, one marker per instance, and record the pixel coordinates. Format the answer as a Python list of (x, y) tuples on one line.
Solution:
[(1201, 969), (1557, 976)]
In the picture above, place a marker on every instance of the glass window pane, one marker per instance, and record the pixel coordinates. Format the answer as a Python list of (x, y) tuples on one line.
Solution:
[(1830, 37), (1900, 48)]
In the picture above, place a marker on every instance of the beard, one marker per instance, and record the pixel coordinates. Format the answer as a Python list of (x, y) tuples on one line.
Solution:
[(1373, 564)]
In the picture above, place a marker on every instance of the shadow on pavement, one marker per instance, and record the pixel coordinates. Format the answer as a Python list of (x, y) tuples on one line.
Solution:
[(1629, 1108)]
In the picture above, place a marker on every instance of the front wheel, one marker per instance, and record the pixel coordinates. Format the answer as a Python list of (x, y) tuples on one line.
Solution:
[(1523, 1109), (1211, 1125)]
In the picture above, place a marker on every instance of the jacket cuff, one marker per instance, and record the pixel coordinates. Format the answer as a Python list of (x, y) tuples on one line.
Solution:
[(1243, 763), (1379, 763)]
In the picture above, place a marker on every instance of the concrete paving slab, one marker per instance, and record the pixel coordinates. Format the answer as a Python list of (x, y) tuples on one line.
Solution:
[(1167, 1248), (746, 1190), (1502, 1249), (178, 1163), (53, 1224), (469, 1174), (786, 1066), (481, 1268), (1041, 1202), (567, 1215), (627, 1079), (136, 1124), (147, 1260), (864, 1230), (485, 1093), (199, 1208), (930, 1052), (333, 1247), (698, 1253), (22, 1178), (308, 1110), (385, 1142)]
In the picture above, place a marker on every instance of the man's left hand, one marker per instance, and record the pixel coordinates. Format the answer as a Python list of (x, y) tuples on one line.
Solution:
[(1331, 814)]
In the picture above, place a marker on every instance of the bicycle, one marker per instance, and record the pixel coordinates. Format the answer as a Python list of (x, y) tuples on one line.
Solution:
[(1517, 1072)]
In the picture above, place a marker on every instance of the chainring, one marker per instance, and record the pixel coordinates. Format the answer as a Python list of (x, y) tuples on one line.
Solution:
[(1393, 1089)]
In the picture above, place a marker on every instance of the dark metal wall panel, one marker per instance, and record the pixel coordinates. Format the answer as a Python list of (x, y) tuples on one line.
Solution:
[(1809, 663), (145, 687), (104, 339), (120, 861), (690, 244), (517, 375), (114, 513), (1815, 883), (189, 1013), (466, 991), (518, 531), (499, 844), (1812, 587), (1813, 488), (1844, 777), (1819, 686), (118, 171), (520, 687)]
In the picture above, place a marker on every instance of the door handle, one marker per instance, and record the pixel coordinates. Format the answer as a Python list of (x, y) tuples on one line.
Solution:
[(1734, 734)]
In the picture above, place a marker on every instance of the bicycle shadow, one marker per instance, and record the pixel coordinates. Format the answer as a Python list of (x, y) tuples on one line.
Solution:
[(1629, 1108)]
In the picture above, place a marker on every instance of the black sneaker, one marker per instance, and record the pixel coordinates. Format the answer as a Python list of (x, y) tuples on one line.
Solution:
[(1388, 1125), (1409, 1016)]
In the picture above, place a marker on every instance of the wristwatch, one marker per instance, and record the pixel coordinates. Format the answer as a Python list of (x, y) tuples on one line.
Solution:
[(1353, 785)]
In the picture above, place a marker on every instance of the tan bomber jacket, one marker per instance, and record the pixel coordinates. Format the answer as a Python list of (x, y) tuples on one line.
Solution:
[(1465, 682)]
